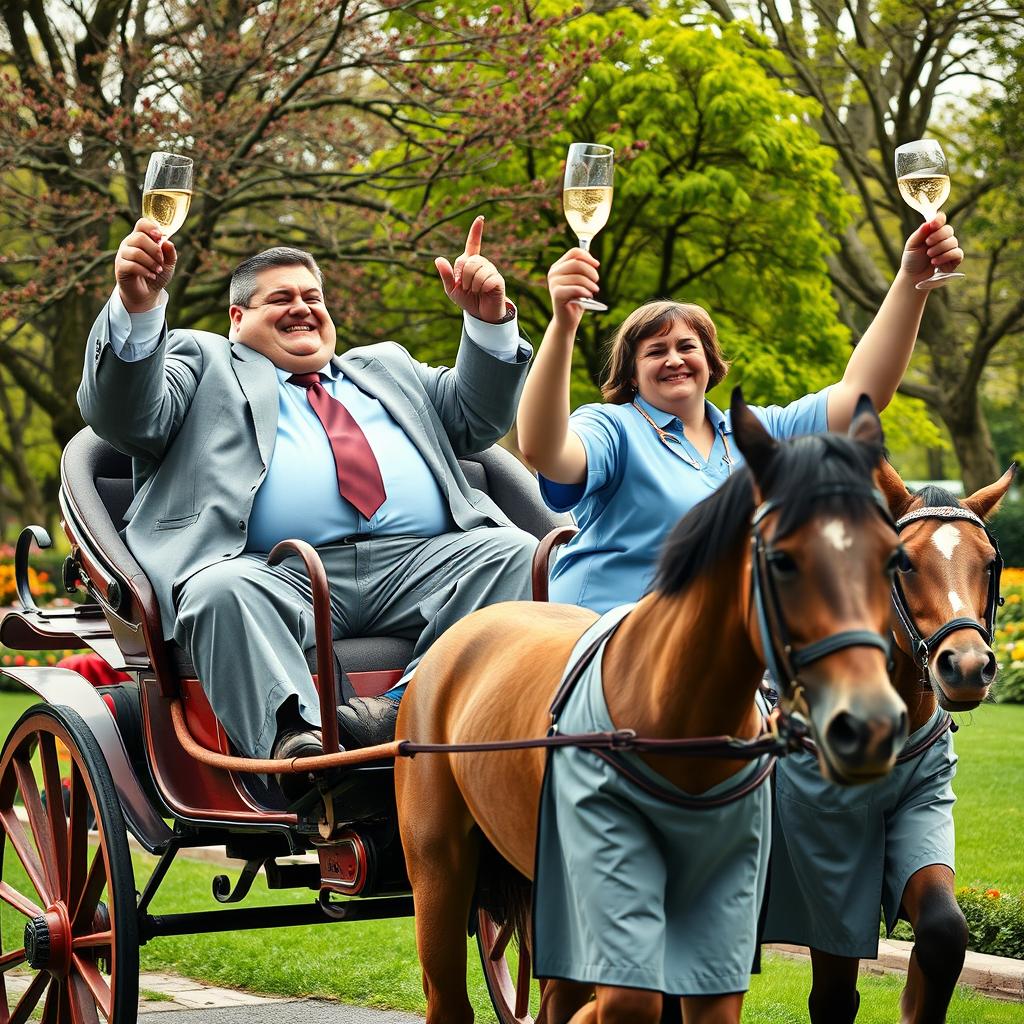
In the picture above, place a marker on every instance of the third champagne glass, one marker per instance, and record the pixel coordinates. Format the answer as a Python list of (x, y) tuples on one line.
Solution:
[(923, 178), (167, 194), (587, 196)]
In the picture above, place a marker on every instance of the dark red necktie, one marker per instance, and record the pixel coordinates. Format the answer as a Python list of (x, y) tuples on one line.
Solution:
[(359, 479)]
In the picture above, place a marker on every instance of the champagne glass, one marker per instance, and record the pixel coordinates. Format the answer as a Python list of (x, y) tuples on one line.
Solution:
[(923, 179), (167, 193), (587, 196)]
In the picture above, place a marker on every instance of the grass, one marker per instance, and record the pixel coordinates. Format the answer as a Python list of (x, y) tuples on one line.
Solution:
[(375, 963), (989, 785)]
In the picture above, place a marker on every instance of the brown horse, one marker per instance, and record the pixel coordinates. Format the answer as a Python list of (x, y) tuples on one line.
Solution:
[(945, 596), (687, 661)]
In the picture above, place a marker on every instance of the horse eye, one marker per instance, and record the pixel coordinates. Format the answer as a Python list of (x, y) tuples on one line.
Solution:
[(899, 561), (782, 564)]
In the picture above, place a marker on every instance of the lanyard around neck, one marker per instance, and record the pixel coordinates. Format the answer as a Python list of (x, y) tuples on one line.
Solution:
[(675, 444)]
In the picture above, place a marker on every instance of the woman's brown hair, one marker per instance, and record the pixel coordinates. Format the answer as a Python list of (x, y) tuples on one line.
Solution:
[(652, 320)]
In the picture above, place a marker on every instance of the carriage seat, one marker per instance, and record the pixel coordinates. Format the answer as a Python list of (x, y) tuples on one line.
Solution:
[(96, 490)]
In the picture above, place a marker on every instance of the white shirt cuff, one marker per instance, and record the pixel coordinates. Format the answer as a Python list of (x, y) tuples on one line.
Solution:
[(133, 336), (500, 340)]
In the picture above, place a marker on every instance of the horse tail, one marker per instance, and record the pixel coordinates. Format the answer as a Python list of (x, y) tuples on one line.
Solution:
[(504, 894)]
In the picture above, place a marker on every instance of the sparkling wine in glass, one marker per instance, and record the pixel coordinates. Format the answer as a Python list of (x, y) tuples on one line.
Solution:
[(587, 196), (167, 194), (923, 179)]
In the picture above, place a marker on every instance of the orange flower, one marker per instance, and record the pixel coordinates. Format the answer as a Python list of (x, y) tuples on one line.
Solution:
[(992, 894)]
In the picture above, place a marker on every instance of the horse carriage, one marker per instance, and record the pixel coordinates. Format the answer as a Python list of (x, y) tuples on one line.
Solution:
[(148, 758)]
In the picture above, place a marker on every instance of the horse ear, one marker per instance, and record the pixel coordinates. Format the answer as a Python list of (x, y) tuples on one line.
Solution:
[(865, 426), (985, 502), (891, 484), (756, 444)]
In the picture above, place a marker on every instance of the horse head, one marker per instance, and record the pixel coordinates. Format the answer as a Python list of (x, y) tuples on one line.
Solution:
[(823, 550), (946, 589)]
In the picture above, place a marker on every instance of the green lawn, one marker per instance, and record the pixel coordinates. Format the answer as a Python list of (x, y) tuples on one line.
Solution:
[(375, 963)]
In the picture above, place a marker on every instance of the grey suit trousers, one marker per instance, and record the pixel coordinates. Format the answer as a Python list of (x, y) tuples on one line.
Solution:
[(246, 624)]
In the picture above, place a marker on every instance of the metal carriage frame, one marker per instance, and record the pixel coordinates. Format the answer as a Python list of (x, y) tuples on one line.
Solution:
[(90, 765)]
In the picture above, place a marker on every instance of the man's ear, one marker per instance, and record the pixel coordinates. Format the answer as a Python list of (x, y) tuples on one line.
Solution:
[(865, 426), (756, 444), (891, 484)]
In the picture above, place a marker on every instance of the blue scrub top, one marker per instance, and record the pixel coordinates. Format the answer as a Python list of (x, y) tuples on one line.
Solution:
[(638, 487)]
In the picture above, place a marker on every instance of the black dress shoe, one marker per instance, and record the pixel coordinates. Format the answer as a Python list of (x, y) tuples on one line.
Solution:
[(296, 743), (367, 721)]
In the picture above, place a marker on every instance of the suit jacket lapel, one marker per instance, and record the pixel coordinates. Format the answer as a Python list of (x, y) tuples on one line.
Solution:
[(258, 381)]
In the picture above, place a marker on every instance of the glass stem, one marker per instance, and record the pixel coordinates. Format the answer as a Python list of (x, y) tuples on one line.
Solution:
[(585, 244)]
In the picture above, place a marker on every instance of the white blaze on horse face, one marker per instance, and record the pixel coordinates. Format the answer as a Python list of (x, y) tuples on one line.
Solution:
[(835, 533), (946, 538), (955, 602)]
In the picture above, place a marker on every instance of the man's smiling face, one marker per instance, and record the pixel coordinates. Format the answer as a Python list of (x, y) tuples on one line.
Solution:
[(286, 320)]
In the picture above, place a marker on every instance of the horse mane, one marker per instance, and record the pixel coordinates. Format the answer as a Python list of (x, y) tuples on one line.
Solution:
[(937, 497), (716, 525)]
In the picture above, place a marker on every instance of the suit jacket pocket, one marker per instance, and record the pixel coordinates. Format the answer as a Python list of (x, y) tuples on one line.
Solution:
[(176, 524)]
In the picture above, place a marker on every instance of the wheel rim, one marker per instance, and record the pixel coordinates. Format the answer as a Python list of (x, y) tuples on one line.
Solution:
[(62, 882), (509, 985)]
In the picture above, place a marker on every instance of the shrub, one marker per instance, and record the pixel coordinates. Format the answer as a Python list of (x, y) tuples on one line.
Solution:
[(995, 922), (1009, 639), (1008, 526)]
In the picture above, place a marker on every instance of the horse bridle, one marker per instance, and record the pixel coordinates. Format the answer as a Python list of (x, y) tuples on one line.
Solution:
[(783, 660), (921, 645)]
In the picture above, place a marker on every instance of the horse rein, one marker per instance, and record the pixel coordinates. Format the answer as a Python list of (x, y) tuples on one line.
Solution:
[(921, 645)]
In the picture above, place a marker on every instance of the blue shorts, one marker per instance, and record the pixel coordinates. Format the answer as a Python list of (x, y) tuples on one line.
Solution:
[(841, 852), (633, 891)]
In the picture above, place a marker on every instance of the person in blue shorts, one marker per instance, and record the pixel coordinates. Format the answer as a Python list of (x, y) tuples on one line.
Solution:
[(630, 467)]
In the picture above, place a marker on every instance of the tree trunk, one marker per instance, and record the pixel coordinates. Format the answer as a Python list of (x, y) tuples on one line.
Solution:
[(972, 443)]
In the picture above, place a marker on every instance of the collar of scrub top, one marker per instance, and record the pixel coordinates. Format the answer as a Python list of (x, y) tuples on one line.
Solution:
[(660, 420)]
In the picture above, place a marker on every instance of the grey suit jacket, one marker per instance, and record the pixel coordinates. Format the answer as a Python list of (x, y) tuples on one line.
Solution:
[(199, 419)]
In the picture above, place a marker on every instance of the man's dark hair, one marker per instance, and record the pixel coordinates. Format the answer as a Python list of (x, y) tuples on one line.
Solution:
[(243, 280)]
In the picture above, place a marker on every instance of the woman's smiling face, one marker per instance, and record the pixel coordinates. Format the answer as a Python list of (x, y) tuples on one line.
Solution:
[(672, 368)]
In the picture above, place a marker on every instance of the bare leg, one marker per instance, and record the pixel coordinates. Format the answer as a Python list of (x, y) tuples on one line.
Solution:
[(834, 998), (940, 942), (616, 1005), (560, 999), (713, 1009)]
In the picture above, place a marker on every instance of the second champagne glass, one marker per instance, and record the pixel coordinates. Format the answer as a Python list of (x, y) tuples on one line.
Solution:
[(923, 179), (167, 193), (587, 196)]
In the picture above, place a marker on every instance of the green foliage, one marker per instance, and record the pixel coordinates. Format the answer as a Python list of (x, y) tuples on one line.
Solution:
[(1008, 526)]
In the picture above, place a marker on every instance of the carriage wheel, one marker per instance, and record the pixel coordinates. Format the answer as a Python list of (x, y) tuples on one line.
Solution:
[(67, 894), (509, 992)]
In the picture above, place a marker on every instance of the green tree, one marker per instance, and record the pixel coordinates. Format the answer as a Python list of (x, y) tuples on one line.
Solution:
[(884, 73), (331, 125)]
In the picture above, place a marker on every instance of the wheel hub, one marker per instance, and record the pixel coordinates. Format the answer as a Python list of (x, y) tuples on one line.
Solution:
[(48, 941)]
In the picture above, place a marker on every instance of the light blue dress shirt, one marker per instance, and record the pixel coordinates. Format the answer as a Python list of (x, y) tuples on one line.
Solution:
[(638, 487), (299, 495)]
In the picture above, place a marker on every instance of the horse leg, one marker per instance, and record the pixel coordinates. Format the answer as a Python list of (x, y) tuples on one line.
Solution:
[(940, 942), (834, 998), (560, 999), (713, 1009), (442, 853)]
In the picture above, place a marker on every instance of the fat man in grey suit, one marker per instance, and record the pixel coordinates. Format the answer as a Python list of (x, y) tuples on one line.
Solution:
[(199, 417)]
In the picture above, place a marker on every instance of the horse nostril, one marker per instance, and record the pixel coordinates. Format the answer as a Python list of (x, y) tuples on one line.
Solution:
[(988, 673), (902, 725), (845, 735), (945, 667)]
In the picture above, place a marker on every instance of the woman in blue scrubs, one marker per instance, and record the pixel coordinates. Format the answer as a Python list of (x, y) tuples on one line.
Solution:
[(630, 467)]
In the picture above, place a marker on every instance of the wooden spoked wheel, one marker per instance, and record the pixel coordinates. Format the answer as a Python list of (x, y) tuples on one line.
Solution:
[(508, 975), (67, 892)]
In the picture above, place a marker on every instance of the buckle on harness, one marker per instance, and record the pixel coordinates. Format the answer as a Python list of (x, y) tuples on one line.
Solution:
[(622, 739)]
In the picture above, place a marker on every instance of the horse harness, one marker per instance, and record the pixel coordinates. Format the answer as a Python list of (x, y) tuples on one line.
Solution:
[(783, 730)]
